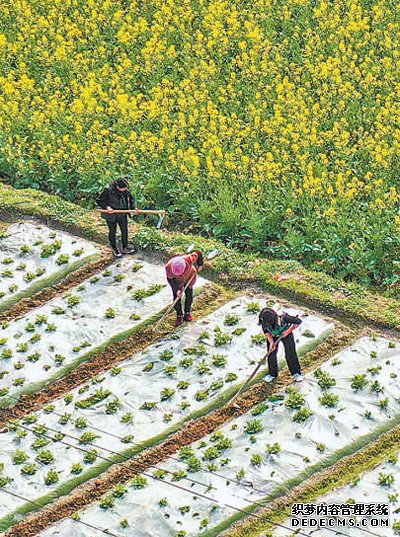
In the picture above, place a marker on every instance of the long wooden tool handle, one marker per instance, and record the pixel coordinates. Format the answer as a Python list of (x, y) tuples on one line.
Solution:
[(134, 211), (260, 363), (171, 307)]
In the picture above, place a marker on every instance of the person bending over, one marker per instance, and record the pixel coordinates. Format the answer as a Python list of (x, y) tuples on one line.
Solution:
[(181, 273), (280, 327)]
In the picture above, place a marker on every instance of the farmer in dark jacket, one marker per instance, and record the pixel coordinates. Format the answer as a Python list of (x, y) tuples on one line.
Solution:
[(280, 327), (117, 196)]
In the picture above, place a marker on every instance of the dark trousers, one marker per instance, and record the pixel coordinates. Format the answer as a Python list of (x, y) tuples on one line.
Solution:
[(188, 301), (122, 223), (292, 359)]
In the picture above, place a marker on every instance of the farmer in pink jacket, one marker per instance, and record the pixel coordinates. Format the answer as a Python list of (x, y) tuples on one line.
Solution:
[(181, 275)]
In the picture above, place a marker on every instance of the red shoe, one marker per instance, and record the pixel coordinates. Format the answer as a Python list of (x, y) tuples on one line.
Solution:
[(188, 317), (179, 320)]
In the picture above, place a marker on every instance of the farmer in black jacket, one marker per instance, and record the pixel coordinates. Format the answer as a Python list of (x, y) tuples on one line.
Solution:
[(280, 327), (117, 196)]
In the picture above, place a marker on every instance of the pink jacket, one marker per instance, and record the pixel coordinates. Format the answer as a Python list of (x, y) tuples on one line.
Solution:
[(190, 271)]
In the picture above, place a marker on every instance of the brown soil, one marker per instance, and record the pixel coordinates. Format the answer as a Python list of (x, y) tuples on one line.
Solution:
[(71, 280), (339, 295), (92, 490), (288, 276), (211, 297)]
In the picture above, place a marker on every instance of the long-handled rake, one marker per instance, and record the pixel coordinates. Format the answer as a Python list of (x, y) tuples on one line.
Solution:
[(254, 373), (171, 307), (209, 256), (161, 213)]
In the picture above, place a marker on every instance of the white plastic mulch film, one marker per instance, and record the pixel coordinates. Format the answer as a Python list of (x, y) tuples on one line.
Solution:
[(31, 254), (352, 395), (141, 398), (380, 486), (39, 347)]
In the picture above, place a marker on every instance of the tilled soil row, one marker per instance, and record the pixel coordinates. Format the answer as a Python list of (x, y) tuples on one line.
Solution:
[(4, 226), (339, 474), (195, 430), (211, 298), (70, 280)]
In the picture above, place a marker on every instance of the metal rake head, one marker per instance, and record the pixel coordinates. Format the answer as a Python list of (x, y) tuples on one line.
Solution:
[(213, 254), (160, 220)]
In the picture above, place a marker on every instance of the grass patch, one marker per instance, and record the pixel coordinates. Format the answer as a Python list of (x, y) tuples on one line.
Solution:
[(312, 288), (346, 473)]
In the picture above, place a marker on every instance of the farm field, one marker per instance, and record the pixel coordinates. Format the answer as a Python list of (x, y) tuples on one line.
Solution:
[(263, 138), (33, 257), (271, 125), (141, 400), (334, 411), (152, 445), (39, 347), (382, 485)]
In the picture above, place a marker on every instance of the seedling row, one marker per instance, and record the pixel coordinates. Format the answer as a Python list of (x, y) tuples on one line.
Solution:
[(53, 339), (207, 485), (140, 401), (338, 408), (32, 256)]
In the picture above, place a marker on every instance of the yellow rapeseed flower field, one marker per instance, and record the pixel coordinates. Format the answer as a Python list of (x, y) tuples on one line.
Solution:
[(272, 124)]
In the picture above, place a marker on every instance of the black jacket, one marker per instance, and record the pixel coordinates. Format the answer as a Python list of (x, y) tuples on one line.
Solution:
[(112, 197), (286, 322)]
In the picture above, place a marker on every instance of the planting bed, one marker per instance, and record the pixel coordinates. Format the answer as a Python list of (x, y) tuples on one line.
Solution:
[(203, 488), (33, 256), (382, 485), (141, 400), (340, 407), (49, 341)]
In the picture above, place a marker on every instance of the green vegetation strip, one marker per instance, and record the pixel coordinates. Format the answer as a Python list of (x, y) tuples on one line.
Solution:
[(209, 298), (41, 283), (68, 486), (337, 471), (222, 399), (209, 418), (34, 388), (124, 456), (287, 278)]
